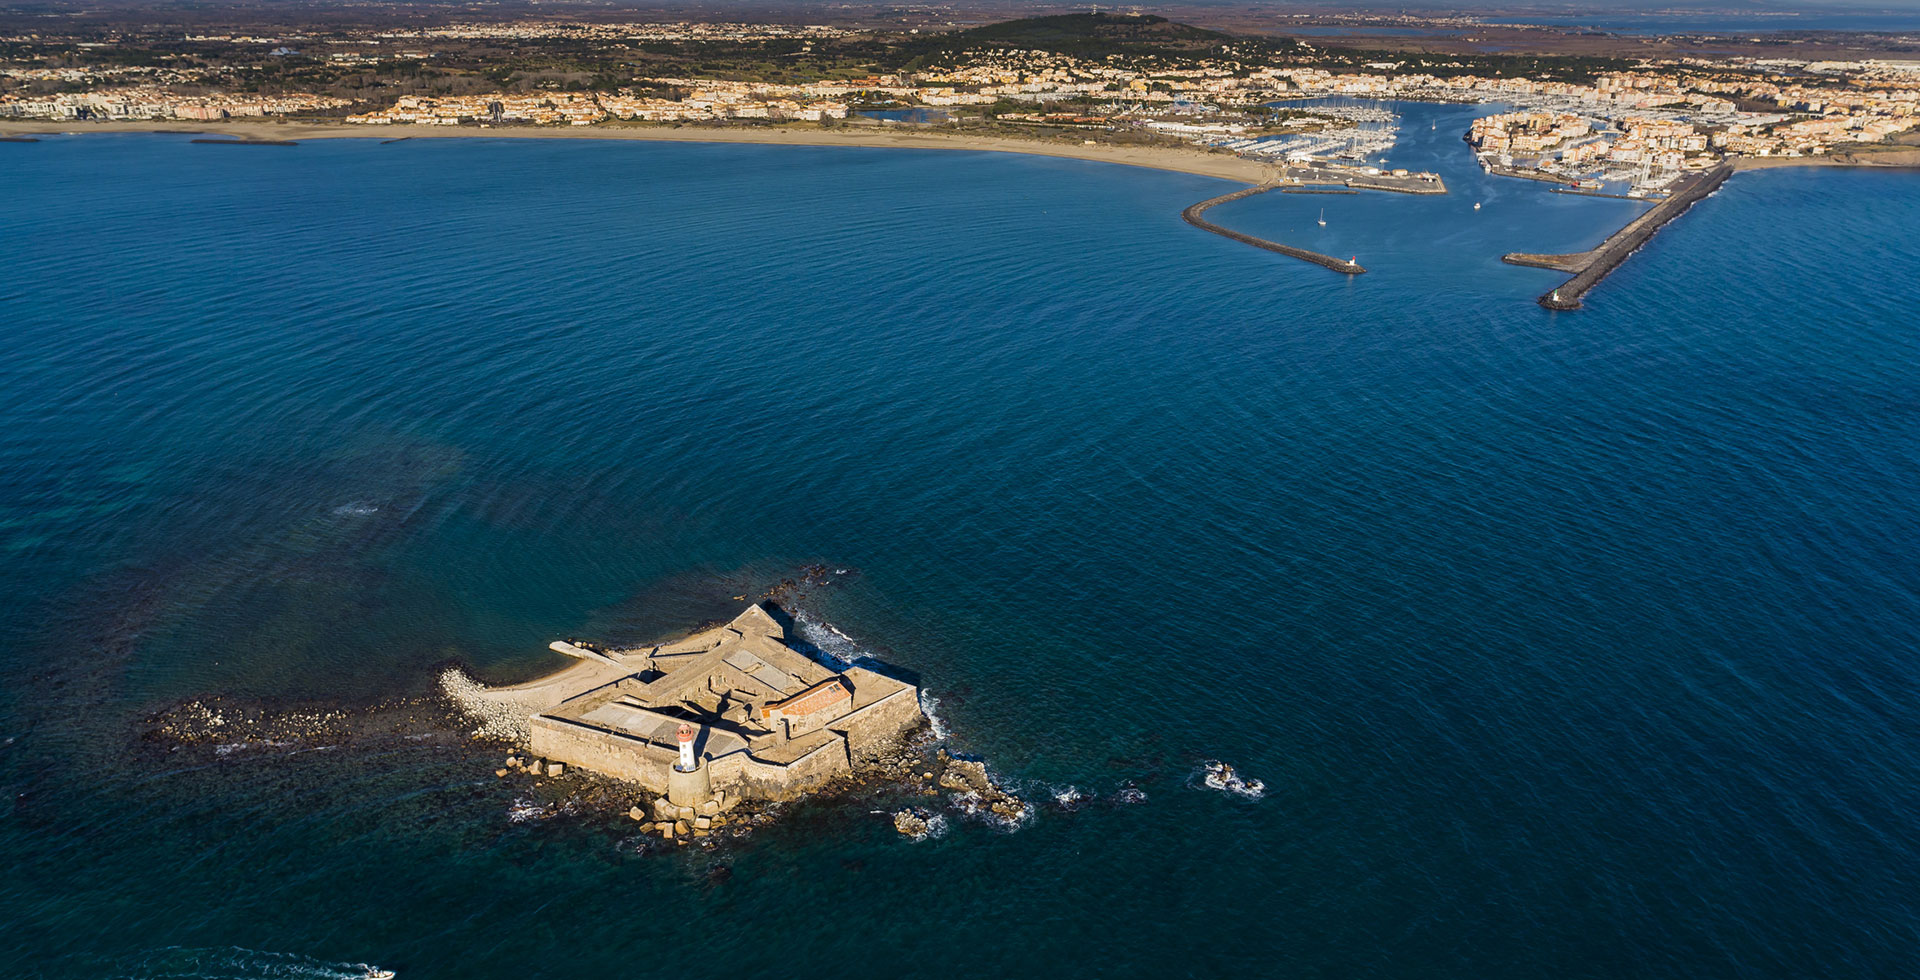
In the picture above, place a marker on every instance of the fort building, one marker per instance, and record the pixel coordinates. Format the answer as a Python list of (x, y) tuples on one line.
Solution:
[(735, 710)]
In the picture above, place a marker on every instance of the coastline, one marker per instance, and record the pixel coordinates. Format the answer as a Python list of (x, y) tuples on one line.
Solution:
[(1197, 162), (1906, 158)]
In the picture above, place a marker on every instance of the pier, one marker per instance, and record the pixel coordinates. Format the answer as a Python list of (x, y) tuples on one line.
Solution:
[(1193, 217), (1591, 266), (1340, 179)]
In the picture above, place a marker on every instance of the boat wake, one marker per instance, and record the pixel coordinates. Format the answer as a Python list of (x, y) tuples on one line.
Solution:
[(238, 963)]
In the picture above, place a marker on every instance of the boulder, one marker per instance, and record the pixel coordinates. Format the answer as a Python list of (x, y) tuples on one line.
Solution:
[(965, 774), (702, 823), (499, 773), (682, 827), (556, 769), (534, 767), (709, 808), (910, 823), (663, 809), (667, 830), (636, 813), (687, 813)]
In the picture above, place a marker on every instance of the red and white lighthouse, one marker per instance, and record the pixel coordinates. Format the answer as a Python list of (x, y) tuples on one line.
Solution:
[(686, 748)]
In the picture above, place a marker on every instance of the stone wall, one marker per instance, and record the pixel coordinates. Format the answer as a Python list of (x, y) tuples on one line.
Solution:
[(874, 727), (607, 752), (739, 773)]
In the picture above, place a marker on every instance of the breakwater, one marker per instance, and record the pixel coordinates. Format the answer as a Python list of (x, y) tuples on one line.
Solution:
[(1591, 266), (1585, 193), (1193, 217)]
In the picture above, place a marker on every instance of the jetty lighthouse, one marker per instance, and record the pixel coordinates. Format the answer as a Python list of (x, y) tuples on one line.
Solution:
[(690, 781), (686, 749)]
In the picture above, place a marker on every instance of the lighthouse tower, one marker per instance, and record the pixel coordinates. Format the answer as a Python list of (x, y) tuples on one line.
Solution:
[(686, 749), (688, 783)]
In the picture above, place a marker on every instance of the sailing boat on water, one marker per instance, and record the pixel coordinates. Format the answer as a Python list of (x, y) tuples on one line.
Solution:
[(1323, 217)]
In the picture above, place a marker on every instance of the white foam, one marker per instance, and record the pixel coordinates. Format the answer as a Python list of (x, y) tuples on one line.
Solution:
[(523, 810), (1217, 775), (973, 805), (238, 963), (839, 650), (1068, 798), (928, 704), (358, 508)]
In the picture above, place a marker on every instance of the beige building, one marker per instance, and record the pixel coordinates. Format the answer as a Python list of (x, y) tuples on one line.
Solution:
[(761, 720)]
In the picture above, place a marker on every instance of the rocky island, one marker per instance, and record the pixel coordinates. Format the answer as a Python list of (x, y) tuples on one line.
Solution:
[(729, 714)]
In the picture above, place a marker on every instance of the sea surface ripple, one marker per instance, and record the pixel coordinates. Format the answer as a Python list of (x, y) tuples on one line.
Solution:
[(1565, 645)]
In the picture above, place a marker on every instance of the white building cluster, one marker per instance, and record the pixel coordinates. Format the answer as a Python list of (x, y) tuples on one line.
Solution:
[(717, 102), (144, 102)]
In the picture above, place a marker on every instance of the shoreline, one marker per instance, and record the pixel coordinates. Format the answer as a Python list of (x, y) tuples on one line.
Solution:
[(1908, 160), (1178, 160)]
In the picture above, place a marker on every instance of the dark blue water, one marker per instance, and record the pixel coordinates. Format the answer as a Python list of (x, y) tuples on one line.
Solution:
[(1571, 645)]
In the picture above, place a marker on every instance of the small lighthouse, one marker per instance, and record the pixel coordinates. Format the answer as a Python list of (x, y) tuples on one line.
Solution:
[(686, 749), (688, 782)]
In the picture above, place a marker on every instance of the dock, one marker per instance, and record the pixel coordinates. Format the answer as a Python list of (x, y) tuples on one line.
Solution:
[(1193, 217), (1341, 179), (1591, 266)]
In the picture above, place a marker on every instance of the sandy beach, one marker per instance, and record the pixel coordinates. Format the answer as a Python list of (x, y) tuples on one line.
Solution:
[(1222, 165)]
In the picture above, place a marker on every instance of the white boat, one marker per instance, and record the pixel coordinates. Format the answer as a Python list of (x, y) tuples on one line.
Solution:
[(1476, 205), (375, 973), (1323, 217)]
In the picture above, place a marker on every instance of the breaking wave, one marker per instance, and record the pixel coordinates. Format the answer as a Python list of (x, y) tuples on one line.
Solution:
[(828, 644), (522, 810), (1217, 775), (1068, 798), (1006, 814), (928, 704), (936, 827)]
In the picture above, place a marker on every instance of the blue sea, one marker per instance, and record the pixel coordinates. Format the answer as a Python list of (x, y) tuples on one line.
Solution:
[(1566, 645)]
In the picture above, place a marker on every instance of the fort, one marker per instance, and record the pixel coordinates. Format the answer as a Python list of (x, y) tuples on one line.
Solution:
[(736, 712)]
